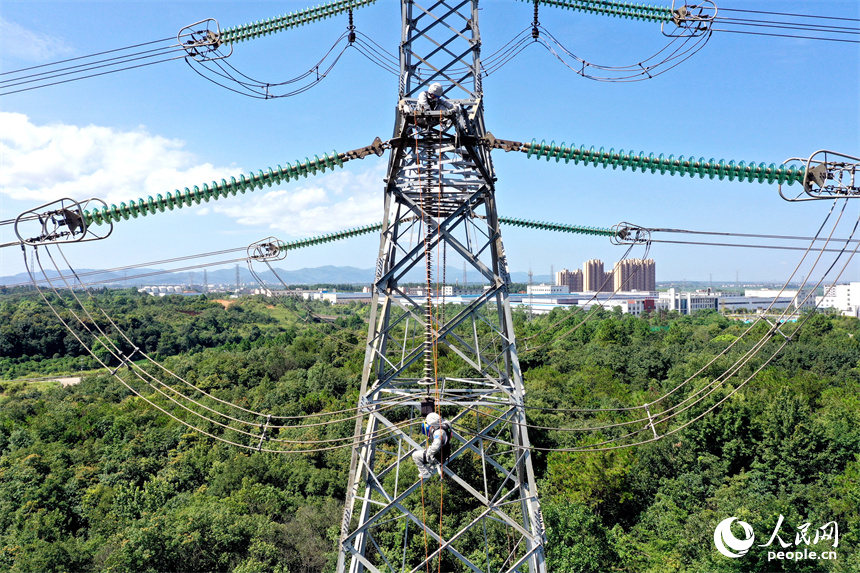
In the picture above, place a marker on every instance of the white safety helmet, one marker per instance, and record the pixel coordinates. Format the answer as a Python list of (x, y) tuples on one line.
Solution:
[(432, 418), (435, 90)]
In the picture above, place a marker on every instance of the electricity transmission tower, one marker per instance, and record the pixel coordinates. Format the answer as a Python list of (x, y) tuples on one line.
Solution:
[(421, 356), (440, 205)]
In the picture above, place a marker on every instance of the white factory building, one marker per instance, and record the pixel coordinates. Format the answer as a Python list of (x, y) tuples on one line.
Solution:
[(544, 298), (845, 298), (753, 300), (547, 289), (162, 290)]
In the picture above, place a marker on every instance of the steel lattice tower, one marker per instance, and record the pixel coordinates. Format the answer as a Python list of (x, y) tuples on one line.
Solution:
[(440, 209)]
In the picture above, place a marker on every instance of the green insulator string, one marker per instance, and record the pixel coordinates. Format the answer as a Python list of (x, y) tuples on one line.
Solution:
[(761, 172), (559, 227), (214, 190), (301, 243), (349, 233), (292, 20), (617, 9)]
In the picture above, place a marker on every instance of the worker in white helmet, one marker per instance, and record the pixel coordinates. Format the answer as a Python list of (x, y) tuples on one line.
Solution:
[(438, 430), (433, 100)]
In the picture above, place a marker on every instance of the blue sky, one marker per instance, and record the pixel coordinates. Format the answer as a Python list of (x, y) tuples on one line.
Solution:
[(155, 129)]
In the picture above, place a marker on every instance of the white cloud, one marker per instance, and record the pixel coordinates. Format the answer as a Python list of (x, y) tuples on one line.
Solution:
[(42, 163), (330, 203), (19, 42)]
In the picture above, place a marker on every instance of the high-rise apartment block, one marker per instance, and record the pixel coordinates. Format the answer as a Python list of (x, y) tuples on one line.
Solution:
[(635, 274), (592, 275), (607, 282), (571, 279), (627, 275)]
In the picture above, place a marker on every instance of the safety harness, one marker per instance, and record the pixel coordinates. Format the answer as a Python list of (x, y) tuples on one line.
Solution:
[(430, 431)]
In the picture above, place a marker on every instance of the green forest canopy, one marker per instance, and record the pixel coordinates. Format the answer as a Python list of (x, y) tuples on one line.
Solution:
[(93, 479)]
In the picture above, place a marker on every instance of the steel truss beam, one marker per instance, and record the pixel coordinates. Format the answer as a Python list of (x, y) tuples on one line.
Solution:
[(440, 208), (440, 43)]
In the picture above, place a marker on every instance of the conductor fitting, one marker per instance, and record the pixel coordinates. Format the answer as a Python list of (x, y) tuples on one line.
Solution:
[(203, 40), (827, 175), (62, 221), (630, 234), (351, 28), (691, 21)]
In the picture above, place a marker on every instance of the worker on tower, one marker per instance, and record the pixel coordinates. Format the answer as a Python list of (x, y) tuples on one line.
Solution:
[(432, 99), (438, 430)]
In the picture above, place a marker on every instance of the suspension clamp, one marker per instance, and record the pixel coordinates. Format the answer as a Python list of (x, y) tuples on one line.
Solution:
[(630, 234), (828, 175), (691, 21), (62, 221), (204, 41), (270, 249)]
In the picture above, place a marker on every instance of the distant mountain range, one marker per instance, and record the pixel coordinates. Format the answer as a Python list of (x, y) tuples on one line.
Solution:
[(308, 276)]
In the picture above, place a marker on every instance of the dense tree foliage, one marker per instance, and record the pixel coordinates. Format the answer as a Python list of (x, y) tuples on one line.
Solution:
[(94, 479), (33, 339)]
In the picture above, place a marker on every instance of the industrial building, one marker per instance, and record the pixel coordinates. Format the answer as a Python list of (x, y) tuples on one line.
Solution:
[(845, 298)]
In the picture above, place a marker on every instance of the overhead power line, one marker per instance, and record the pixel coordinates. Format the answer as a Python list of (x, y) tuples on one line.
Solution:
[(366, 229), (703, 18), (165, 50), (794, 36), (838, 18), (84, 57)]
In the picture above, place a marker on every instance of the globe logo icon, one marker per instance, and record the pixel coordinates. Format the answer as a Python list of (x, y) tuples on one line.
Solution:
[(728, 544)]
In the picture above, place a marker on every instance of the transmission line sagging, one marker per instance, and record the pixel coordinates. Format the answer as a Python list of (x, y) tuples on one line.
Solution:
[(221, 73), (707, 16), (199, 43)]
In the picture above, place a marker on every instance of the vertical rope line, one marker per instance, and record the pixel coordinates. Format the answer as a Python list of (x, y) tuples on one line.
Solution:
[(437, 310), (441, 496), (436, 353), (427, 329), (424, 522)]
